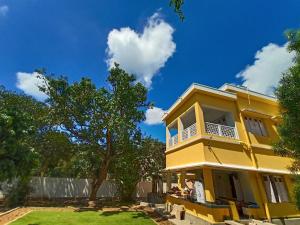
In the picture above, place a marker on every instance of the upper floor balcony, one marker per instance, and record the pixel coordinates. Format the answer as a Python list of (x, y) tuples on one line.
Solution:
[(220, 123), (215, 122)]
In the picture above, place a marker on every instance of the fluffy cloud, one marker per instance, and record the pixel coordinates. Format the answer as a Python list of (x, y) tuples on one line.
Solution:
[(29, 83), (269, 64), (3, 10), (154, 116), (142, 54)]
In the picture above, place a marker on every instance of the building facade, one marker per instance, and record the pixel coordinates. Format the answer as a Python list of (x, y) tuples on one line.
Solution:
[(219, 159)]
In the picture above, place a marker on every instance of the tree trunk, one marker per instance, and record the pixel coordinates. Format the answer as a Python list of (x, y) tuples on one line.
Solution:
[(97, 183)]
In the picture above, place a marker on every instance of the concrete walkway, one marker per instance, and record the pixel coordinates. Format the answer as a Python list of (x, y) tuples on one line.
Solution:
[(180, 222)]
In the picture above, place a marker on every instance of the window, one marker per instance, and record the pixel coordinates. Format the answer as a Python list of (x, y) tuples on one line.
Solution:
[(255, 126), (275, 189)]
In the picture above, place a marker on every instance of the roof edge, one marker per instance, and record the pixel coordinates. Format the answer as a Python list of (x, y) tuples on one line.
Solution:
[(196, 86)]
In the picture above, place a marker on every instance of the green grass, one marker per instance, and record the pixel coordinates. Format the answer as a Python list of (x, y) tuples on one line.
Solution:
[(84, 218)]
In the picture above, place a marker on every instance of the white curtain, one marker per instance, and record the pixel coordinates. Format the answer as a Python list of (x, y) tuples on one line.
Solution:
[(269, 189), (199, 191)]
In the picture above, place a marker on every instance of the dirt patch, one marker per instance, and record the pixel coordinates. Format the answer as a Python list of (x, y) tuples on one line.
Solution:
[(13, 214)]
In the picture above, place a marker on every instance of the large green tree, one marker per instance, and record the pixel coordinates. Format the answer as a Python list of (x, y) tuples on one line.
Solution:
[(288, 94), (18, 124), (100, 121), (143, 160)]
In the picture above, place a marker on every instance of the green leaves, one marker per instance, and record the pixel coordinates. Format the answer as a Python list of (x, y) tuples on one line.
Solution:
[(177, 5), (102, 123), (17, 129), (288, 94)]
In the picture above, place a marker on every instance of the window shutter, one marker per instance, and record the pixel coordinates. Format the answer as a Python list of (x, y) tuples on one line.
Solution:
[(269, 189), (281, 189), (262, 128)]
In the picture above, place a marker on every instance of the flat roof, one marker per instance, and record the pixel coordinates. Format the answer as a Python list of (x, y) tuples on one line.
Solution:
[(245, 90), (200, 87), (222, 91)]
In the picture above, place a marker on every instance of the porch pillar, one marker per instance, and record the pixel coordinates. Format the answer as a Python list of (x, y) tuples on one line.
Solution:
[(263, 195), (181, 178), (169, 180), (208, 185)]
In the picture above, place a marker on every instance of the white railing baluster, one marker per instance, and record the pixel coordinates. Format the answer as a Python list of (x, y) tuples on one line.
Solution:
[(173, 140), (189, 132), (220, 130)]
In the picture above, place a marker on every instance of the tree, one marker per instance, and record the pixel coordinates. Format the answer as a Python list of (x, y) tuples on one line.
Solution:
[(100, 121), (177, 5), (288, 94), (17, 129), (143, 160), (54, 150), (152, 160)]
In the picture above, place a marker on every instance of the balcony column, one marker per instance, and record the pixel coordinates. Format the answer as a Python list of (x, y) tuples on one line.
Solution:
[(199, 119), (181, 180), (179, 128), (169, 180), (263, 195), (208, 185), (257, 194), (167, 137)]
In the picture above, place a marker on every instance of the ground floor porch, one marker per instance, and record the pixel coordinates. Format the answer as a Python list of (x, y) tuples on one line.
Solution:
[(215, 194)]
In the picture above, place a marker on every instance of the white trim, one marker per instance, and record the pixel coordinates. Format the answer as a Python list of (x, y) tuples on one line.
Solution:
[(229, 166), (199, 87), (225, 87)]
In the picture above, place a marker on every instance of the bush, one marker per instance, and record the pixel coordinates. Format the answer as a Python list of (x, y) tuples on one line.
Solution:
[(18, 193)]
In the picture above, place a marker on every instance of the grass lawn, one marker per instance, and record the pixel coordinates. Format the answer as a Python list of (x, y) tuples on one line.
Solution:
[(84, 218)]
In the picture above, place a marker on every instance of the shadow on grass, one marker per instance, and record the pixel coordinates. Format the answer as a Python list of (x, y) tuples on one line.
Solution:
[(134, 215)]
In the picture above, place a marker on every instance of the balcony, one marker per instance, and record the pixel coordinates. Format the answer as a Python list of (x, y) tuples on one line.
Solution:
[(220, 123), (173, 140), (189, 132), (220, 130)]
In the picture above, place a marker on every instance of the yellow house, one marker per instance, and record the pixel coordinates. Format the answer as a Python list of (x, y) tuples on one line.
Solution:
[(219, 159)]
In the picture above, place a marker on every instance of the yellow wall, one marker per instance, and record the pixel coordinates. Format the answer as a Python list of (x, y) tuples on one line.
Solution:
[(187, 155), (226, 153), (212, 215), (249, 149), (266, 158)]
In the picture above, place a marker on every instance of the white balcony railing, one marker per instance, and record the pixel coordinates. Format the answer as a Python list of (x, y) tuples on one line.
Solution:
[(173, 140), (189, 132), (220, 130)]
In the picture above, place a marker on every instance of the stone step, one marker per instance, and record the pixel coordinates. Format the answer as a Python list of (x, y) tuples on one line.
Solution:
[(180, 222), (232, 222)]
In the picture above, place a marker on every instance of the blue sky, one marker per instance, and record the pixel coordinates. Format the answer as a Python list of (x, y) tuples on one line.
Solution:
[(217, 41)]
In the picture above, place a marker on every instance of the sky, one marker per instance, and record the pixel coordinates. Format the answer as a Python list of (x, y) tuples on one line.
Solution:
[(232, 41)]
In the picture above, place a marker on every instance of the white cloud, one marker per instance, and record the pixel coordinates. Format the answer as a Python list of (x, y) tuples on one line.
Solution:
[(265, 73), (29, 83), (154, 116), (3, 10), (142, 54)]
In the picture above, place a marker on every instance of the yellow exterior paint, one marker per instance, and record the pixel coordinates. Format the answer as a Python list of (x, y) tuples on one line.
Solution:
[(208, 185), (212, 215), (248, 152)]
